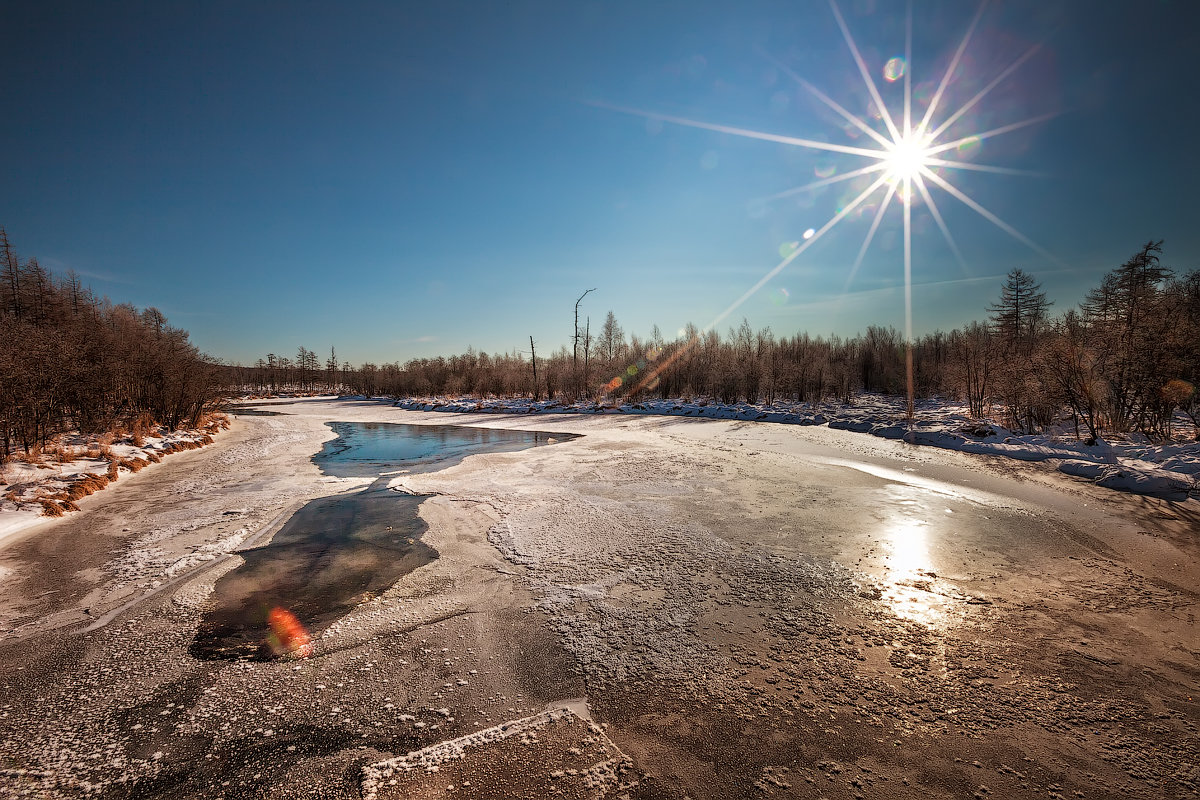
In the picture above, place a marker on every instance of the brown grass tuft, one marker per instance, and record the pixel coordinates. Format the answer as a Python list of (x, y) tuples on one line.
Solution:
[(51, 508), (112, 471), (64, 455), (88, 484), (134, 464), (153, 456), (143, 427)]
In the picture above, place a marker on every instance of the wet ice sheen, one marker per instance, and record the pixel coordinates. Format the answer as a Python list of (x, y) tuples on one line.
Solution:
[(337, 552)]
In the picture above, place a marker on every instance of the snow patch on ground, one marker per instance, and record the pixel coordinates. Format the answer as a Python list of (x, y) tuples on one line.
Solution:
[(149, 565), (1131, 464)]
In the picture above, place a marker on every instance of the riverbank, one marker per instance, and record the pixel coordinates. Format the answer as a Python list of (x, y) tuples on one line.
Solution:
[(50, 482), (1128, 463)]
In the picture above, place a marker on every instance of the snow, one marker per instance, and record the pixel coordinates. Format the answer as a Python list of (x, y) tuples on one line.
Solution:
[(1131, 464)]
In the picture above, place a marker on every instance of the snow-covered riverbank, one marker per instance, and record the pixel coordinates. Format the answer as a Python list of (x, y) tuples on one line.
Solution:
[(1131, 464), (49, 484)]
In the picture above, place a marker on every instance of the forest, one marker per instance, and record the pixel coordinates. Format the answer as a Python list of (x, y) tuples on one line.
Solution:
[(72, 361), (1125, 360)]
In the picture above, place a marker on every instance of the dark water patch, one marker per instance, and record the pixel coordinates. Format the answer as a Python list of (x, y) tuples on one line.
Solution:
[(254, 412), (332, 555), (338, 552), (366, 449)]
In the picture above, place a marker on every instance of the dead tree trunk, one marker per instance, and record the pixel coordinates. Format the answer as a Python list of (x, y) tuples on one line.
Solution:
[(533, 356), (575, 345)]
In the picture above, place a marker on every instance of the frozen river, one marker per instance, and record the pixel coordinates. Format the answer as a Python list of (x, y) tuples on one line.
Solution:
[(727, 609)]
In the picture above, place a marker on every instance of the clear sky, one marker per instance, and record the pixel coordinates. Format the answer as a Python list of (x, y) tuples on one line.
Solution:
[(407, 179)]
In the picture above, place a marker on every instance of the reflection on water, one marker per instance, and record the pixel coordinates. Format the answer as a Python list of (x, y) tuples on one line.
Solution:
[(910, 590)]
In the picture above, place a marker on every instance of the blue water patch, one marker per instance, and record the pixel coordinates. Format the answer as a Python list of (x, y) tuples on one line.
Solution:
[(367, 449)]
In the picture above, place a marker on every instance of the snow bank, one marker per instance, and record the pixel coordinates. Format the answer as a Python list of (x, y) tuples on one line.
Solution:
[(77, 466), (1171, 471)]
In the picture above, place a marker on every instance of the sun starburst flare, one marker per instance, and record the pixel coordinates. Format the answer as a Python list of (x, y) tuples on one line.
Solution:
[(907, 160)]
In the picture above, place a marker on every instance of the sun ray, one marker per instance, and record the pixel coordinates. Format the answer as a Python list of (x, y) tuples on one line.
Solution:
[(941, 223), (988, 215), (937, 96), (876, 167), (750, 134), (908, 334), (862, 251), (984, 91), (866, 74), (941, 148), (827, 100), (941, 162), (908, 71), (905, 161), (853, 204)]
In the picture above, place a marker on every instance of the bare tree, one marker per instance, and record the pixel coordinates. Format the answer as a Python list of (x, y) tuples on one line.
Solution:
[(533, 358), (575, 340)]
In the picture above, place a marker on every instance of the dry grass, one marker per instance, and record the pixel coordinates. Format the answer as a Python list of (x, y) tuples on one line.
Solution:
[(143, 427), (50, 508), (65, 455), (214, 422), (113, 466), (88, 484), (134, 464)]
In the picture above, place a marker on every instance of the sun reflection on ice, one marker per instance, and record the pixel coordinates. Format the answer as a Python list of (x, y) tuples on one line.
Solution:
[(911, 591)]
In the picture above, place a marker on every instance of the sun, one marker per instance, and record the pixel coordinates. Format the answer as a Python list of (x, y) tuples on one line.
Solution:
[(909, 158), (906, 158)]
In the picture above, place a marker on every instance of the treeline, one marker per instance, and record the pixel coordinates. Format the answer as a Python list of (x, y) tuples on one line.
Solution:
[(71, 360), (1125, 360)]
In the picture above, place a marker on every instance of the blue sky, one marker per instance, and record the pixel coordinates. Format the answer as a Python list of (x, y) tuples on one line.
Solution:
[(403, 179)]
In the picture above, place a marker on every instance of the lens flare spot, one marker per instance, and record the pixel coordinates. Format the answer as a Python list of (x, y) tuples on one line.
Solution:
[(824, 170), (969, 146), (894, 69), (288, 636), (787, 248), (780, 296), (631, 370), (811, 232)]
